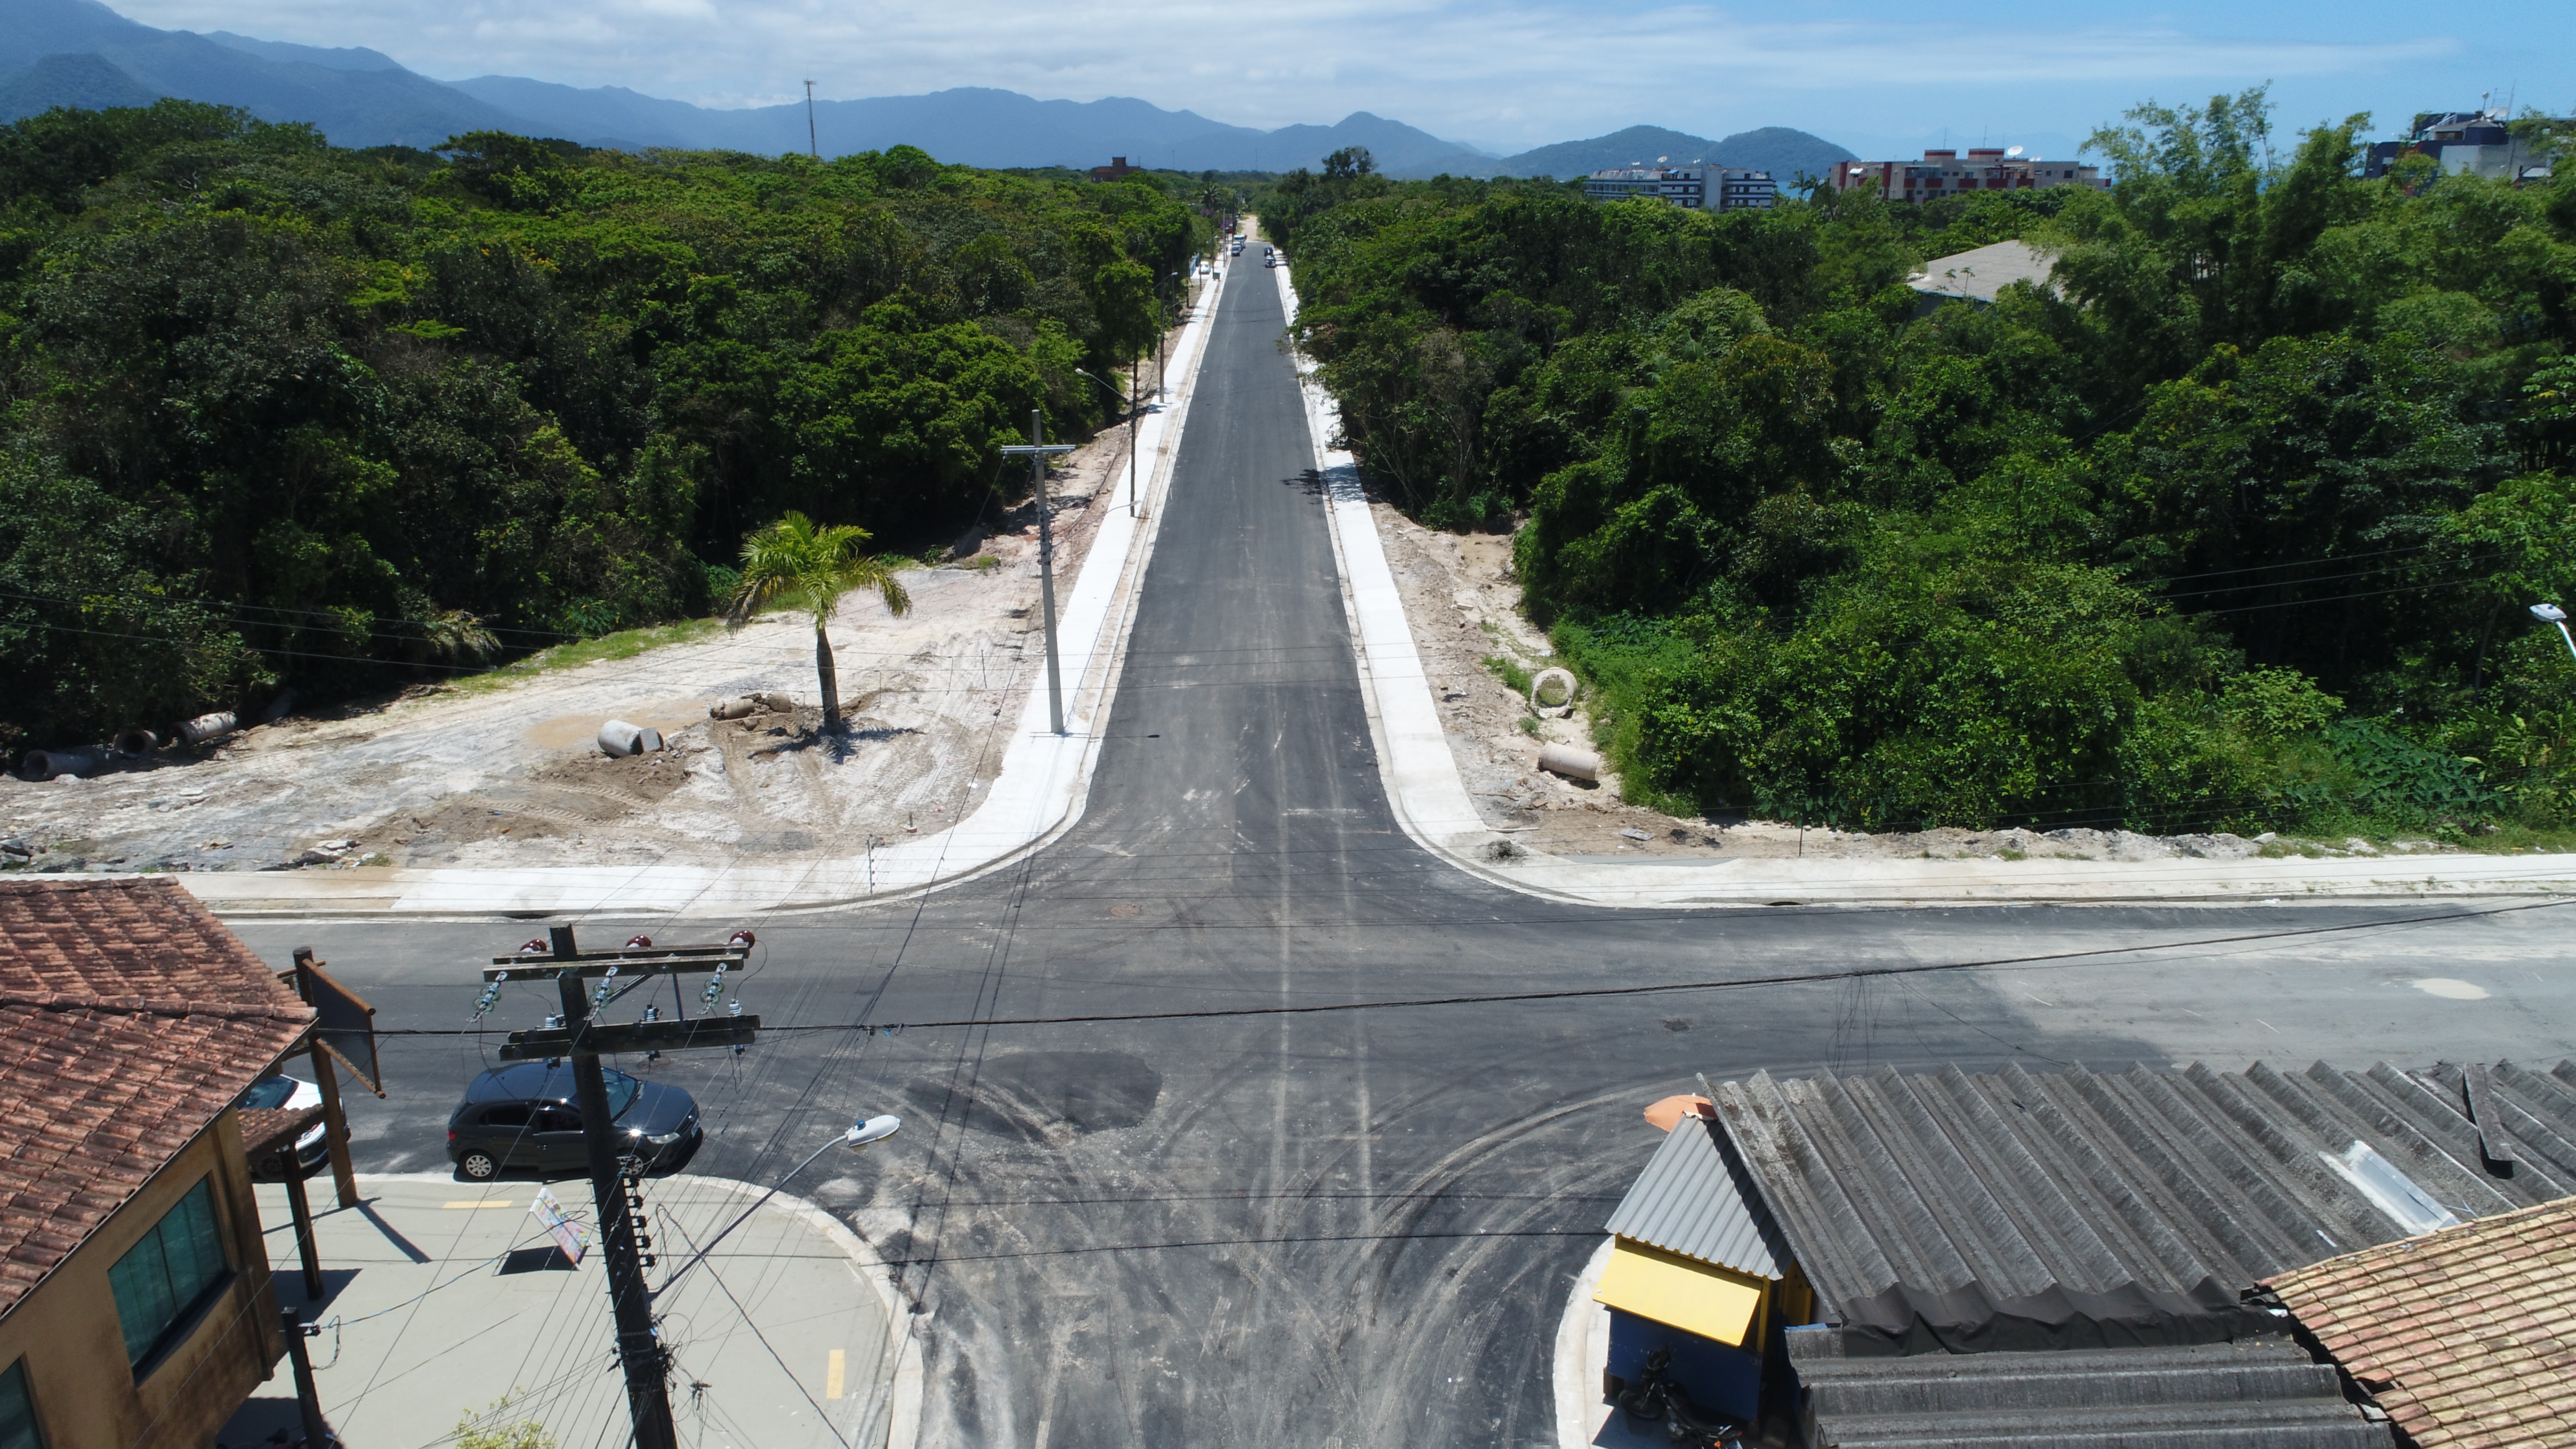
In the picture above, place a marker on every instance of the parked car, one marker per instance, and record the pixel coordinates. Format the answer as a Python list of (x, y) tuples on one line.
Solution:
[(313, 1149), (527, 1117)]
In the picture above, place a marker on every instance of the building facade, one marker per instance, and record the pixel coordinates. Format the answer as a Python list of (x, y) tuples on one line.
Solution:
[(1947, 173), (1698, 187), (135, 1304), (2466, 143)]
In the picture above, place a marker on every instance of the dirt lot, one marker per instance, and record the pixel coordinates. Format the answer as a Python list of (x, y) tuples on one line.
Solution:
[(480, 775), (1464, 607)]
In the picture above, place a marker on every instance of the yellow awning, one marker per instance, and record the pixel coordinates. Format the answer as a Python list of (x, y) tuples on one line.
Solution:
[(1692, 1296)]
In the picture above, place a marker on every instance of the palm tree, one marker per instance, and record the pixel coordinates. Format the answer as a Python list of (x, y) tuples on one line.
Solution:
[(796, 558)]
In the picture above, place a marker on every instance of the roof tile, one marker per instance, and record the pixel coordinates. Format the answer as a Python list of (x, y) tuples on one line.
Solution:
[(129, 1020), (2483, 1369)]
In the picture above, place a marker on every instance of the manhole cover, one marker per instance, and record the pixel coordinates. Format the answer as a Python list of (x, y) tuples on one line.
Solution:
[(1122, 909)]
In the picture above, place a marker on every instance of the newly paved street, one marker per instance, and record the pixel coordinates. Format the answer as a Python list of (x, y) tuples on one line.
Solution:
[(1352, 1228)]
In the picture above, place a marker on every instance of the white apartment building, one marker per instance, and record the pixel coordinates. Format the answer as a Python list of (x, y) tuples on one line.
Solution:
[(1699, 186)]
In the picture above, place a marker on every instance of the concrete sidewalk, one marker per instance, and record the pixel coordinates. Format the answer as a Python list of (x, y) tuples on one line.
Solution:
[(1430, 798), (1039, 794), (444, 1297)]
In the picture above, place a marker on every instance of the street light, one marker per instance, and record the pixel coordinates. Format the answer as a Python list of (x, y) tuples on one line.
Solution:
[(861, 1133), (2552, 614)]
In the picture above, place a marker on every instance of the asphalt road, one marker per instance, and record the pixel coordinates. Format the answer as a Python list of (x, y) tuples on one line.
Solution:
[(1355, 1228)]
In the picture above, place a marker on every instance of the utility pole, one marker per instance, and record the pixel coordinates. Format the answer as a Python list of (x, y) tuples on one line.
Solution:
[(813, 143), (1135, 421), (581, 1039), (1038, 449)]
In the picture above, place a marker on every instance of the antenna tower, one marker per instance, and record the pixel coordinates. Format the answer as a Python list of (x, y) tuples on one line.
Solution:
[(813, 146)]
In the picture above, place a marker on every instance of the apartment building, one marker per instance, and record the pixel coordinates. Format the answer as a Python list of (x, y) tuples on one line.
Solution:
[(1948, 173), (2466, 143), (1698, 186)]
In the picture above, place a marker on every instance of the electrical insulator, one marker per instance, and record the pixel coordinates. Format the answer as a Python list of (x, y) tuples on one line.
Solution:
[(537, 947), (491, 993), (639, 943), (652, 1013), (554, 1023), (743, 939), (607, 988), (714, 988), (734, 1007)]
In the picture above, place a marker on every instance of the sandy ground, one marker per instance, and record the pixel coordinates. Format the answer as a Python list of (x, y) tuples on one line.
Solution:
[(511, 776), (1465, 608)]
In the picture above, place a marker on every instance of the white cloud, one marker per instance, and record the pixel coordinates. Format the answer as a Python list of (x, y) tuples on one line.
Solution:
[(1514, 73)]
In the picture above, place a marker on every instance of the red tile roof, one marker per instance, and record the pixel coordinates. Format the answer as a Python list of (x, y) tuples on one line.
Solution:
[(2467, 1336), (129, 1020)]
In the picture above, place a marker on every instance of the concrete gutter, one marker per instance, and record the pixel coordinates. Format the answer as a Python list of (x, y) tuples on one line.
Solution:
[(1044, 781), (1430, 799)]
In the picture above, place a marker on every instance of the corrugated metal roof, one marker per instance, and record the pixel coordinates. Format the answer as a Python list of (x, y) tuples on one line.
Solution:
[(2068, 1209), (2263, 1394), (1693, 1201)]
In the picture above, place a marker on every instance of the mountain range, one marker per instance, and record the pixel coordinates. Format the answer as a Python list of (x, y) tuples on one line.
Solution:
[(81, 53)]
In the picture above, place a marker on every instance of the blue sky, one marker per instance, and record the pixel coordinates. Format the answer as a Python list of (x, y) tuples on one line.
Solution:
[(1872, 74)]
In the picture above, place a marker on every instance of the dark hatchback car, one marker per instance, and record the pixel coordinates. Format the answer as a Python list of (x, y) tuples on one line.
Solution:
[(528, 1117)]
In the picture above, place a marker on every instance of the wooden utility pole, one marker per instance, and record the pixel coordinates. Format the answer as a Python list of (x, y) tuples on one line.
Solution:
[(1038, 450), (581, 1039)]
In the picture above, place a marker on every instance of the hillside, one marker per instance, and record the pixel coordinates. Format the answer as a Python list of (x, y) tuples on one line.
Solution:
[(1777, 149)]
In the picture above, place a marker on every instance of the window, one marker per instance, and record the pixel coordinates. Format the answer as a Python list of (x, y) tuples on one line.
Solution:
[(511, 1114), (18, 1411), (558, 1119), (161, 1281)]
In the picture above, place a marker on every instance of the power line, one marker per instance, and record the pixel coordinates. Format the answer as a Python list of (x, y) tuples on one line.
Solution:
[(1580, 993)]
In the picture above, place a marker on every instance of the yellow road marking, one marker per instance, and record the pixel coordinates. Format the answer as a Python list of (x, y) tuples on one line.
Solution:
[(832, 1377), (480, 1203)]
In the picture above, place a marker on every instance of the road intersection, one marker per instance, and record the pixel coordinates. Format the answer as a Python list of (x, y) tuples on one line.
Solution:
[(1225, 1218)]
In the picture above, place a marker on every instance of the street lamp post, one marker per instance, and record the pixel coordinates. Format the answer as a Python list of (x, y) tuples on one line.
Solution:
[(861, 1133), (2552, 614)]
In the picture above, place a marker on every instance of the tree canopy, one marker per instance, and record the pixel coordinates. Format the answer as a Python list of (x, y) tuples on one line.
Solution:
[(274, 410), (2234, 522)]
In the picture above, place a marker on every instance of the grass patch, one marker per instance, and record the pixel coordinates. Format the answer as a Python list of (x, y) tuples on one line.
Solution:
[(624, 644), (1509, 672)]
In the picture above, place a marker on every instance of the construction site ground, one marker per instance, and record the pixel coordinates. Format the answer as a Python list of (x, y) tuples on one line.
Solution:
[(489, 773)]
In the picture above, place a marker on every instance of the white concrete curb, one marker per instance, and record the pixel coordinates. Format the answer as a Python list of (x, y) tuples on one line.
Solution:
[(1582, 1352), (1039, 794), (1430, 799)]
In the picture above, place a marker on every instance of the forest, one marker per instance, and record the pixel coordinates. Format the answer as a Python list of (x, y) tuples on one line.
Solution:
[(278, 414), (2234, 524)]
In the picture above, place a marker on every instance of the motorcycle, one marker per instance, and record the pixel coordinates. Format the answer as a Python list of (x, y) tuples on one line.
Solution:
[(1656, 1398)]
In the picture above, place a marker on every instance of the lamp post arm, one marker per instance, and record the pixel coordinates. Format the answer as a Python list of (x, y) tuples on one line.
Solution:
[(700, 1254)]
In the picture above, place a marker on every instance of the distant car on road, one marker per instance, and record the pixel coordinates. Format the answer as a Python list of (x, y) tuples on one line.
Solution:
[(293, 1094), (527, 1116)]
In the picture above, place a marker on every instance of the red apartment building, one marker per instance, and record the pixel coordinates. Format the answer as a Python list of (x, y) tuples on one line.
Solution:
[(1945, 173)]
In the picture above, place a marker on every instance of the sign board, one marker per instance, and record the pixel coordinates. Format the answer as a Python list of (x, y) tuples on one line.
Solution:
[(568, 1235), (345, 1025)]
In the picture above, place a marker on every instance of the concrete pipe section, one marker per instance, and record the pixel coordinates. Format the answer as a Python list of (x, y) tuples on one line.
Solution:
[(1570, 762), (205, 729), (41, 765), (135, 744), (1559, 682), (619, 739)]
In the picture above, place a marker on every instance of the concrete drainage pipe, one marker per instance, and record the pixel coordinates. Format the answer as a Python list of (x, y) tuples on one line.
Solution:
[(135, 744), (205, 729), (41, 765), (1552, 689), (619, 739), (739, 707), (1570, 762)]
